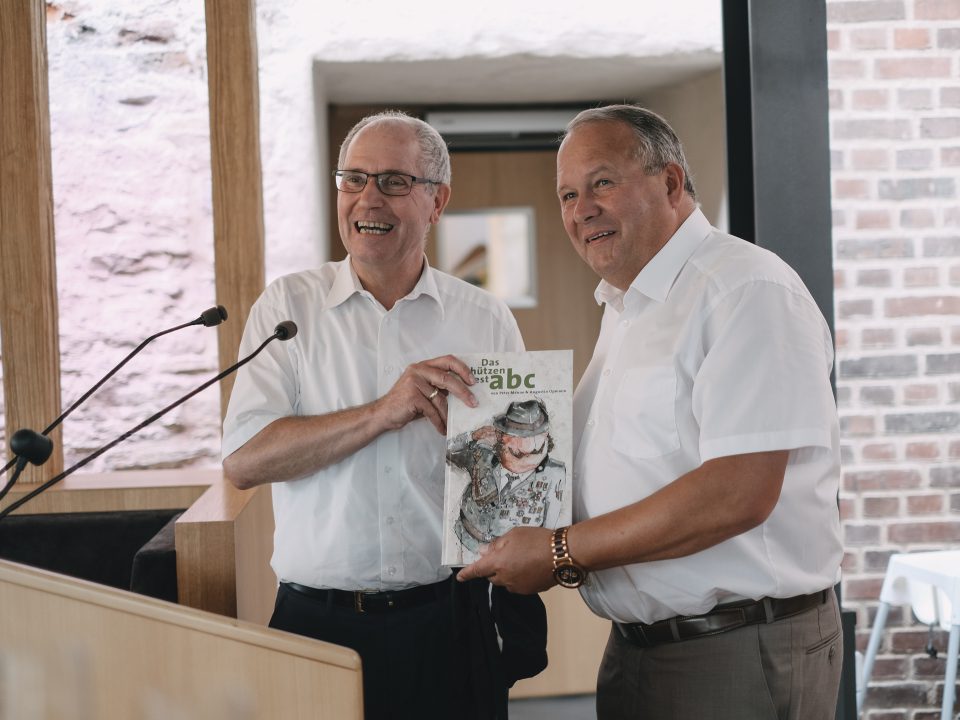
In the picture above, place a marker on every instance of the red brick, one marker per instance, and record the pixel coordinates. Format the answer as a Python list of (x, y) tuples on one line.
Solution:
[(868, 39), (833, 40), (950, 97), (915, 99), (855, 534), (917, 306), (858, 189), (884, 714), (950, 156), (847, 309), (865, 480), (850, 563), (935, 532), (937, 10), (842, 338), (897, 695), (908, 641), (870, 99), (878, 452), (873, 220), (862, 589), (917, 218), (846, 69), (924, 336), (848, 507), (951, 217), (924, 68), (924, 504), (879, 507), (874, 277), (876, 560), (874, 338), (839, 278), (922, 451), (911, 38), (921, 277), (919, 394), (869, 159), (953, 450), (858, 425), (835, 101)]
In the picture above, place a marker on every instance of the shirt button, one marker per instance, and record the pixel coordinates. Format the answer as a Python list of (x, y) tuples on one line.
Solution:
[(590, 423), (388, 369), (390, 520), (391, 570), (606, 372), (387, 469), (624, 323)]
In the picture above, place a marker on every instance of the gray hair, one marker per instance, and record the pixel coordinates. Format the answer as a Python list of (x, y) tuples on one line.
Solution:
[(657, 143), (434, 156)]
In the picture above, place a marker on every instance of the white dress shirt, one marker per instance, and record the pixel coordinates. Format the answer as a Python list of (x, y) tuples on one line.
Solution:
[(373, 520), (715, 349)]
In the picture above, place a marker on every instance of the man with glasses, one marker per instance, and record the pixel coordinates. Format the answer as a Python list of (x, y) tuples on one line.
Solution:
[(348, 422)]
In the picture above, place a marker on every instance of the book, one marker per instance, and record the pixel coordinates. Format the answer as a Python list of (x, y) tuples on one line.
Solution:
[(509, 460)]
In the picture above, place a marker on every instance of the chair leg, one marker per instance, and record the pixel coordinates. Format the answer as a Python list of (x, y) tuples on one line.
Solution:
[(950, 680), (875, 636)]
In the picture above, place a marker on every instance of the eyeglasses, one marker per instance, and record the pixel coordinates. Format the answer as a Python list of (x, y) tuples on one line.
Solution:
[(354, 181)]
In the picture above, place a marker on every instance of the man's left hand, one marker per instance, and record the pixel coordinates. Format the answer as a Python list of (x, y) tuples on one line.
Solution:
[(521, 561)]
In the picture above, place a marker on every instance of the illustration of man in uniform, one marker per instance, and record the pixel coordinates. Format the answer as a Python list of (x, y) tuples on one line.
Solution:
[(513, 480)]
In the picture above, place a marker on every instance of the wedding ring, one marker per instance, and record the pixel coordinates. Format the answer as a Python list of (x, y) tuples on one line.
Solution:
[(432, 395)]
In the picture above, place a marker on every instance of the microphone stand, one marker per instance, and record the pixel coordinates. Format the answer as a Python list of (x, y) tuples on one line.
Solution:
[(208, 318), (284, 331)]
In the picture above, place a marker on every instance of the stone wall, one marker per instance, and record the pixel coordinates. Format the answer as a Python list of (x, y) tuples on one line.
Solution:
[(895, 140)]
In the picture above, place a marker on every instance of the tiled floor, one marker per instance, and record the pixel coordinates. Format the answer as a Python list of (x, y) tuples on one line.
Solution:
[(571, 707)]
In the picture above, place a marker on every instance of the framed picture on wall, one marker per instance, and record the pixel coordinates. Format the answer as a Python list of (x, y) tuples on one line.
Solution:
[(493, 248)]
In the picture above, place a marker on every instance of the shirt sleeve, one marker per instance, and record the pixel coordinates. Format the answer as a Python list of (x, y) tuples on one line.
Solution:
[(764, 383), (266, 388)]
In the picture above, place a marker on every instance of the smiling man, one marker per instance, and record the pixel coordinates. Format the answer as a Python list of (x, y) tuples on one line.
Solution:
[(348, 422), (707, 451)]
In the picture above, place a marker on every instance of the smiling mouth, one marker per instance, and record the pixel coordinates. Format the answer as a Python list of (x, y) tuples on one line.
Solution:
[(366, 227), (599, 236)]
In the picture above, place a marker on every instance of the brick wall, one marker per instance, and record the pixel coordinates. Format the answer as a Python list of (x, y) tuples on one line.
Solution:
[(895, 143)]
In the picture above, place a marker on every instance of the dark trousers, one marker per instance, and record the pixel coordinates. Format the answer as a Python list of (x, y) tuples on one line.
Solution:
[(784, 670), (406, 654)]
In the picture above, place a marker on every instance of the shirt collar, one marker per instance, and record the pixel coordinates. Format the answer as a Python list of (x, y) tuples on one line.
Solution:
[(347, 283), (657, 276)]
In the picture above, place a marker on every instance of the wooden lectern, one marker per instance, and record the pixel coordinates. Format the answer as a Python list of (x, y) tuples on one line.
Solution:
[(74, 649)]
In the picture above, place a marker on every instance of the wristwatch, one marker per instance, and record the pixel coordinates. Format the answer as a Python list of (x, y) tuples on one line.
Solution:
[(565, 570)]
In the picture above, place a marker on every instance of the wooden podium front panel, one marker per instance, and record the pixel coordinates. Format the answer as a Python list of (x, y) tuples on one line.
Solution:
[(72, 649)]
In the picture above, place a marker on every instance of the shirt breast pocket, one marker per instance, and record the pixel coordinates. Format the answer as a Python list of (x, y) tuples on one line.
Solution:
[(644, 419)]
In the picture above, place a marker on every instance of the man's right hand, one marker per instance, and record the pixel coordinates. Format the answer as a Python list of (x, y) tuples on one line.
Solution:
[(422, 392)]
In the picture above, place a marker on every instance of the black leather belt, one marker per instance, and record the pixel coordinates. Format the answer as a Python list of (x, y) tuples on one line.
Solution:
[(721, 619), (362, 601)]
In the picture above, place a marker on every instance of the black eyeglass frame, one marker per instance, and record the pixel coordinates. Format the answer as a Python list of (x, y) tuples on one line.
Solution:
[(377, 178)]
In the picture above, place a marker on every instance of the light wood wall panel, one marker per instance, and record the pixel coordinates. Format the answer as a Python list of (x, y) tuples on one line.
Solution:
[(238, 232), (28, 277)]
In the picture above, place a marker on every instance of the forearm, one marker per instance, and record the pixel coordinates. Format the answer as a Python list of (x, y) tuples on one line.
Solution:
[(293, 447), (719, 500)]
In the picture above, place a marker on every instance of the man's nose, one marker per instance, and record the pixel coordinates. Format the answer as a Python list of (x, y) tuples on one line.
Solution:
[(586, 207), (371, 194)]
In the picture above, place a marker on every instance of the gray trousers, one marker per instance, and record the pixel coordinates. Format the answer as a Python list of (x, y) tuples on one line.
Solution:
[(786, 670)]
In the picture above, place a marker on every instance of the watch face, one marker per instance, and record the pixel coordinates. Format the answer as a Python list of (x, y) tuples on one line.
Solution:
[(569, 576)]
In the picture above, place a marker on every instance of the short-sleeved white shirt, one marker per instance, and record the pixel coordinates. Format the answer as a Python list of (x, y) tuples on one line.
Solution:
[(715, 349), (371, 521)]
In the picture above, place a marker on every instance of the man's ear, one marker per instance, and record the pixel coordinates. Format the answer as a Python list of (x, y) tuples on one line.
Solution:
[(674, 178), (440, 200)]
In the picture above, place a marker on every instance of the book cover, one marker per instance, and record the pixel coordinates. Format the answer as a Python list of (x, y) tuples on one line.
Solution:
[(509, 460)]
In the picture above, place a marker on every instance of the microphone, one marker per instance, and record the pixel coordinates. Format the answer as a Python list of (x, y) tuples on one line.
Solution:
[(208, 318), (283, 332), (31, 445)]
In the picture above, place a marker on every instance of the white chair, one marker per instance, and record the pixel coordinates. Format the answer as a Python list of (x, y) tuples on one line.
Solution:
[(930, 583)]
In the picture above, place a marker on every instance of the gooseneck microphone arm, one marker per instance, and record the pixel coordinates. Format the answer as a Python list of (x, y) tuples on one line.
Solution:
[(208, 318), (284, 331)]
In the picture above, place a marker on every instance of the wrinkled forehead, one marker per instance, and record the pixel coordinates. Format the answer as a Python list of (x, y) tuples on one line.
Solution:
[(384, 145)]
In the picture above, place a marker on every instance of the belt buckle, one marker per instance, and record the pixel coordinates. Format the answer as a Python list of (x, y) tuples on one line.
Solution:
[(358, 601)]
